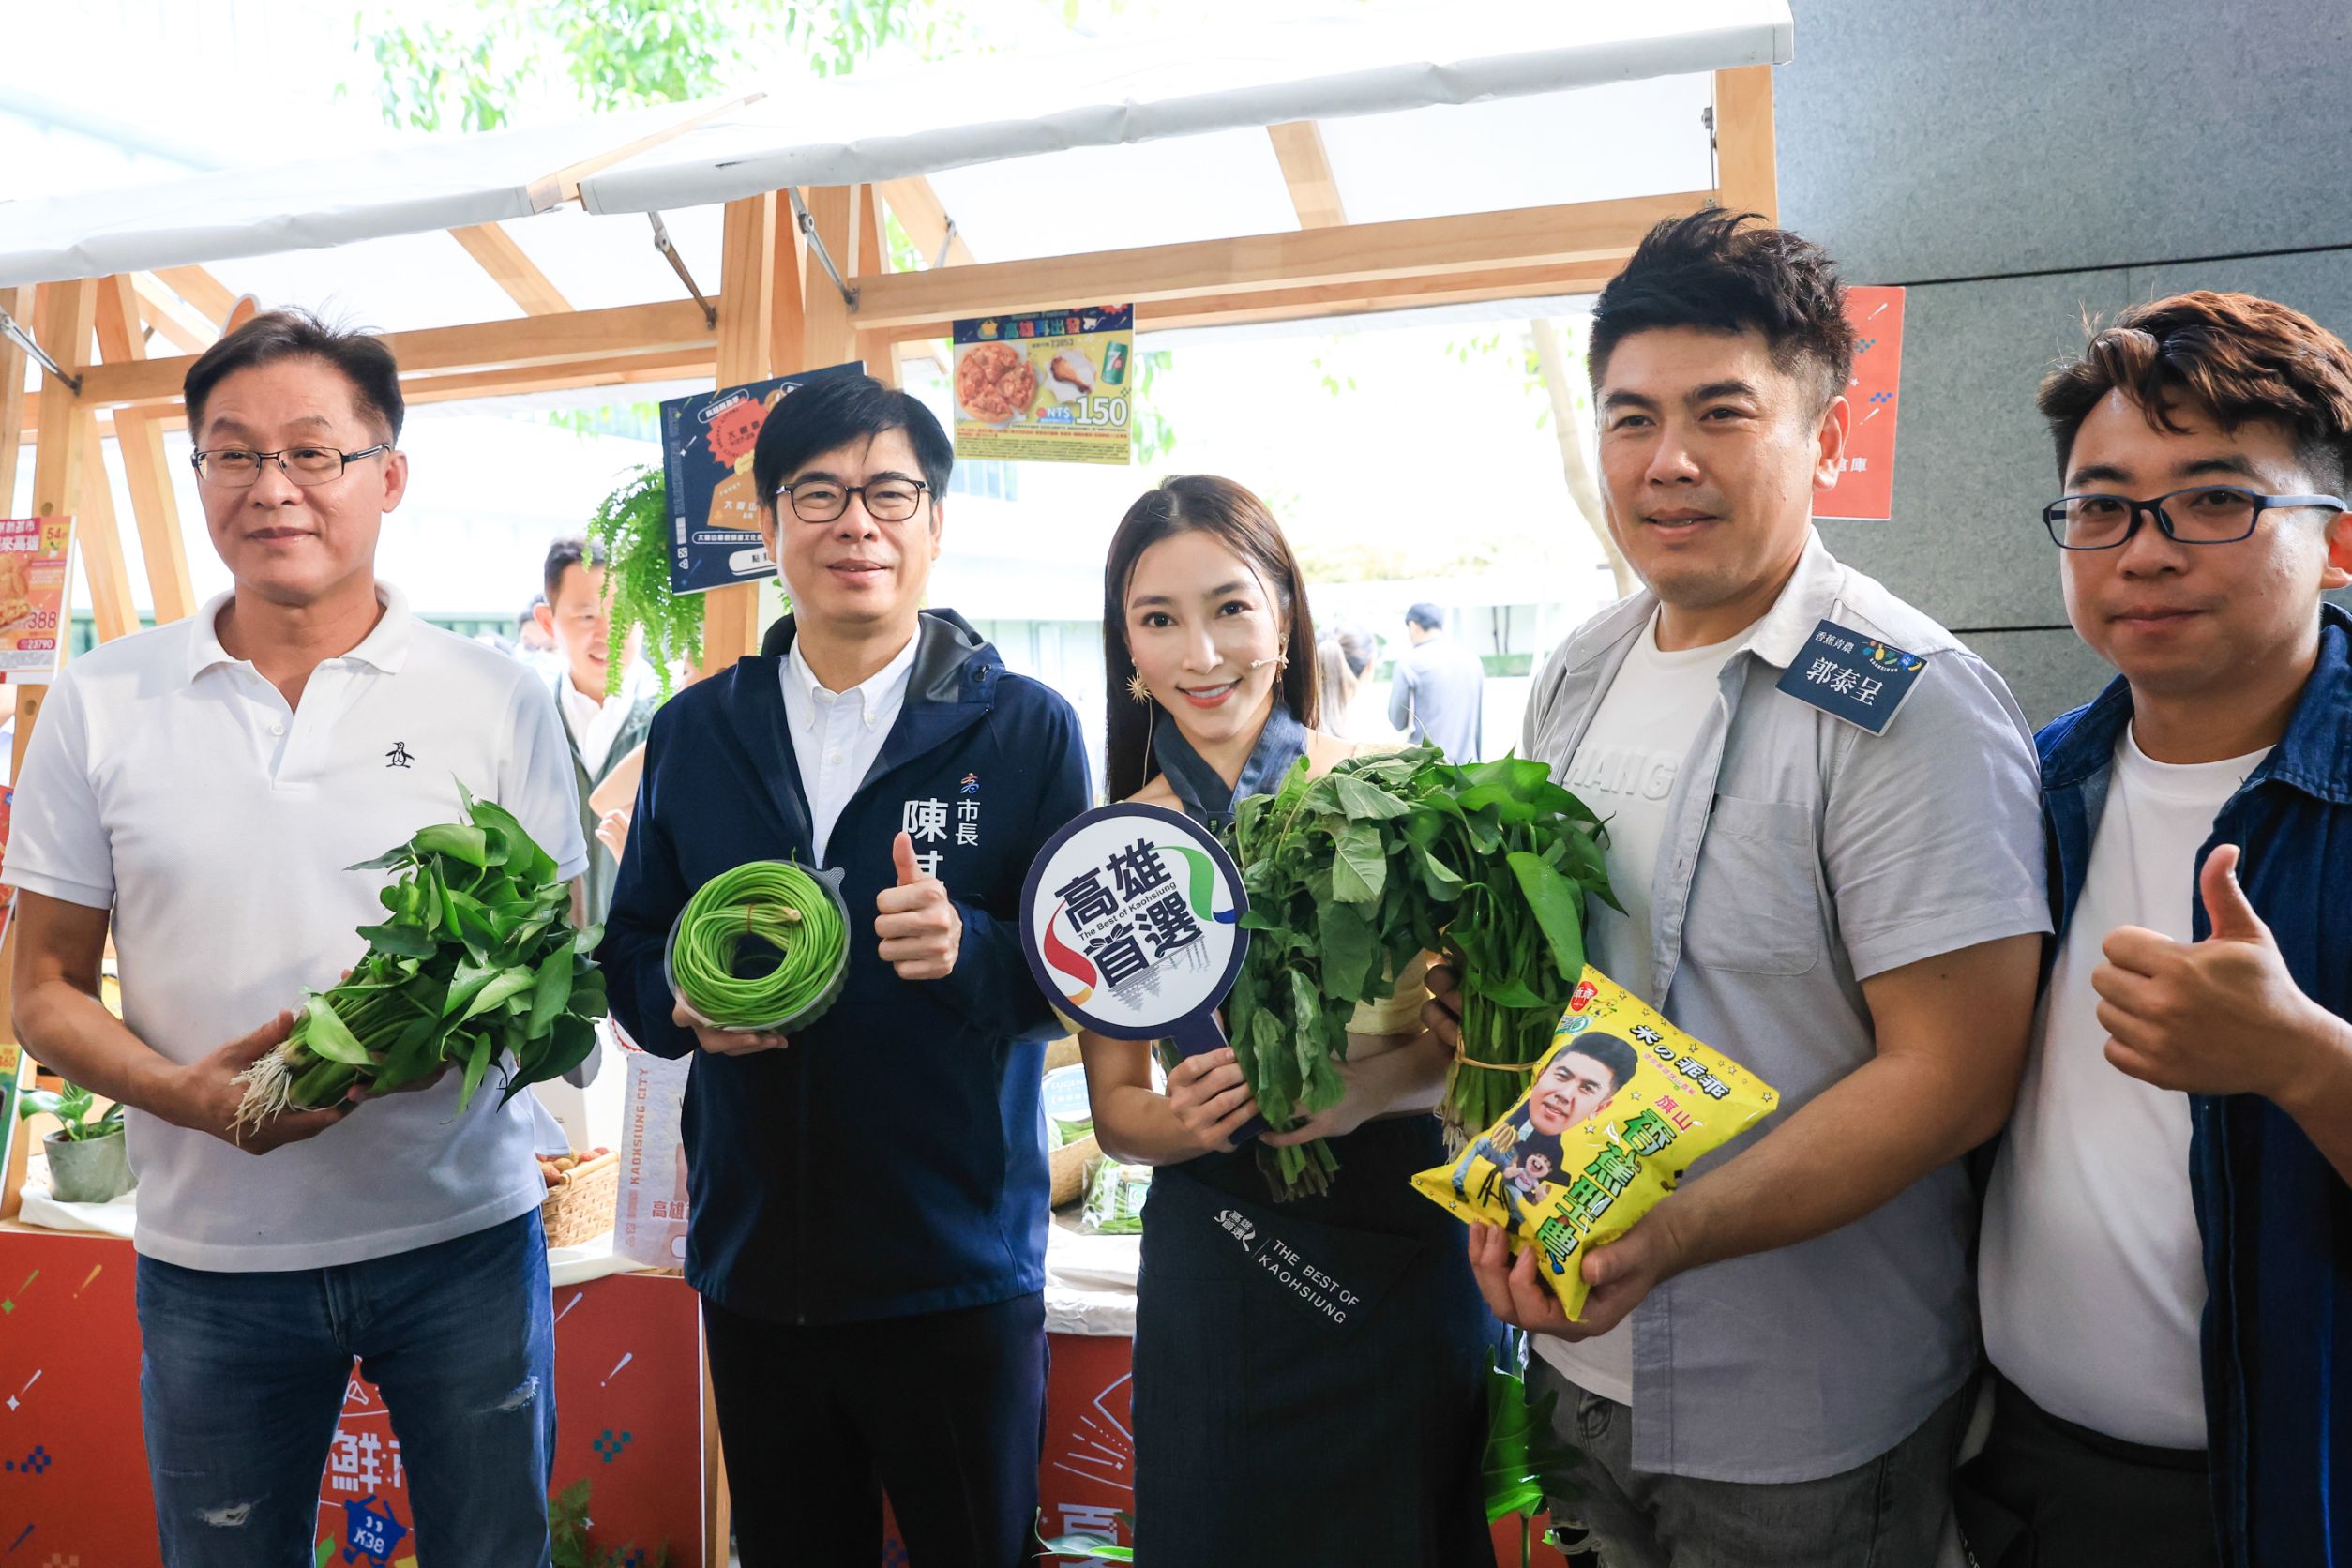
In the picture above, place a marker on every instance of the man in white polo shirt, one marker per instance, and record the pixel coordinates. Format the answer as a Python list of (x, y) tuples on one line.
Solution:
[(208, 783)]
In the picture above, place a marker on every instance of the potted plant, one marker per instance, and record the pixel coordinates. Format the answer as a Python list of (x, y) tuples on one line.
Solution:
[(88, 1162)]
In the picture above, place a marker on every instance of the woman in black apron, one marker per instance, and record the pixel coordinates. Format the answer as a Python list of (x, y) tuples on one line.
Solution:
[(1309, 1375)]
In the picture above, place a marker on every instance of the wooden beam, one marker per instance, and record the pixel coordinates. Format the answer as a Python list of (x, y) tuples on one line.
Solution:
[(747, 283), (173, 319), (99, 543), (529, 340), (873, 260), (18, 303), (746, 271), (139, 436), (69, 315), (925, 218), (1605, 231), (512, 270), (1350, 299), (788, 255), (1747, 165), (828, 335), (1298, 145), (199, 288), (245, 310)]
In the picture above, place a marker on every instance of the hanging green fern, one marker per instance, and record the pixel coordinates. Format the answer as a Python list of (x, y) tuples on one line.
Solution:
[(633, 526)]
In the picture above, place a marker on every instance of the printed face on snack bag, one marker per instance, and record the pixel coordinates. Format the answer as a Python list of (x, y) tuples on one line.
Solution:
[(1572, 1087), (2186, 618), (1710, 456), (1198, 616), (291, 543), (857, 570)]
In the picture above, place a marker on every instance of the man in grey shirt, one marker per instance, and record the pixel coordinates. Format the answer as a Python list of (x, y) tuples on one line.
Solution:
[(1435, 694), (1825, 831)]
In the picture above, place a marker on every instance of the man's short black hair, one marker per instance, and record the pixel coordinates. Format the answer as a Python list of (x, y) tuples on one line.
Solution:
[(362, 358), (1617, 1055), (1428, 617), (836, 412), (564, 553), (1732, 271)]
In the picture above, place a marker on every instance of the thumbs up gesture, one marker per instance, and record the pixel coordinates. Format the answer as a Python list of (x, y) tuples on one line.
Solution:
[(920, 930), (2217, 1017)]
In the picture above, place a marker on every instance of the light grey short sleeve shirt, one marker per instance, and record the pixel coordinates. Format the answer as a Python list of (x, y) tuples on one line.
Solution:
[(1803, 855)]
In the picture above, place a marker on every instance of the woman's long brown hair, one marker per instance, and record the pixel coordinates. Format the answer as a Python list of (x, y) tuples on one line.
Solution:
[(1189, 502)]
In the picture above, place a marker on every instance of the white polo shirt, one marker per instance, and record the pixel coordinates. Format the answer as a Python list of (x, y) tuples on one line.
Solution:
[(172, 782)]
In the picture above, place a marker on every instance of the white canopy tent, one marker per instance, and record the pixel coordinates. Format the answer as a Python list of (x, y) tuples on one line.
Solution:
[(1369, 161)]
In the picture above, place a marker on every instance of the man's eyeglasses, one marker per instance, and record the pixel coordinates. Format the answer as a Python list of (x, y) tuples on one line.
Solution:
[(2202, 515), (237, 467), (823, 500)]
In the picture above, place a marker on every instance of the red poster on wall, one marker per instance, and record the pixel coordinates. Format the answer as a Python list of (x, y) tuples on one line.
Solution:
[(1864, 492)]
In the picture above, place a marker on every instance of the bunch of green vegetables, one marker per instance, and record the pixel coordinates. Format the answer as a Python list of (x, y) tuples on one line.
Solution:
[(1528, 851), (1352, 875), (479, 962), (633, 526)]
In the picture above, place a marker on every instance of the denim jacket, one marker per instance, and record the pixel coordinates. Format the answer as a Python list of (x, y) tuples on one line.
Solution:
[(2275, 1217)]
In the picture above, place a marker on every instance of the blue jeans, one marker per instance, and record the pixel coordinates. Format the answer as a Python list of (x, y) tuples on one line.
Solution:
[(243, 1380)]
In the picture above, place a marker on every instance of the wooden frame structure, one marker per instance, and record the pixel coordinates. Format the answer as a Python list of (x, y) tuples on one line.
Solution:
[(778, 309)]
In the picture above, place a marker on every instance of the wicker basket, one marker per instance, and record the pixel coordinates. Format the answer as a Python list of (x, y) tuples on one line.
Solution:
[(1069, 1164), (580, 1206)]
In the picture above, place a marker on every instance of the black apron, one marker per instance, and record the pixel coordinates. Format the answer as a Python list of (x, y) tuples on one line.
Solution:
[(1309, 1376)]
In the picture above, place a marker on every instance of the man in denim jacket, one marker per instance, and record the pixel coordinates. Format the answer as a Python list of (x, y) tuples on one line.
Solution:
[(2166, 1263)]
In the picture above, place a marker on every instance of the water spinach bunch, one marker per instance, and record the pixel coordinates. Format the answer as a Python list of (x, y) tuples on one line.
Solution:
[(1352, 875), (479, 963)]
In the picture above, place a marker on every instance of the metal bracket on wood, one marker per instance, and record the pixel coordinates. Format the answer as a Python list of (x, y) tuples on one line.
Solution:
[(947, 243), (16, 333), (677, 264), (816, 246)]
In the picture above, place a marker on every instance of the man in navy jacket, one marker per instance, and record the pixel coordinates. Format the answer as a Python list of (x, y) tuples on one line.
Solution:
[(2167, 1264), (868, 1198)]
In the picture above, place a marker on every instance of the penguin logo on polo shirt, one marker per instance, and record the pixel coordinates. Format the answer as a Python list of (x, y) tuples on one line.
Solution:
[(398, 757)]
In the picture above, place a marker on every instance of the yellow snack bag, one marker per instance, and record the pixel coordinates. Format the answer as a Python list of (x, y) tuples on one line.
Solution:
[(1620, 1106)]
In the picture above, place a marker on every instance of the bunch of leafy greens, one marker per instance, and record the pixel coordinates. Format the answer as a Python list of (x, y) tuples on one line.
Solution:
[(478, 962), (633, 526), (1352, 875)]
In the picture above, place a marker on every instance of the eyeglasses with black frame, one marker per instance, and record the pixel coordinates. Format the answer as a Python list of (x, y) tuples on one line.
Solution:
[(823, 500), (238, 467), (2200, 515)]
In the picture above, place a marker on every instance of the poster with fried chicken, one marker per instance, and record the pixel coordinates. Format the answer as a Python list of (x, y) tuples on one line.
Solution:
[(1046, 385), (706, 446), (32, 561)]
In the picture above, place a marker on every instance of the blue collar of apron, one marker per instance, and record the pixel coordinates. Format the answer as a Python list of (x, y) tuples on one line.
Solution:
[(1202, 792)]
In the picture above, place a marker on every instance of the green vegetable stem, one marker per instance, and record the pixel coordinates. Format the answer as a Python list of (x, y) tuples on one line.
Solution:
[(766, 903)]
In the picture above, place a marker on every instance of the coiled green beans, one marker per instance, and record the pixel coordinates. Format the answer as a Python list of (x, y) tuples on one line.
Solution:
[(768, 901)]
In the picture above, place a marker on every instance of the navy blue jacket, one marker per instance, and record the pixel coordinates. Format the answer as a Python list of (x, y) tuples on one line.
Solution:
[(2275, 1217), (891, 1160)]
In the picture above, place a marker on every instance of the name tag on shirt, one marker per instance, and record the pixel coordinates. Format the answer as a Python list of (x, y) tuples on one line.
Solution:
[(1849, 676)]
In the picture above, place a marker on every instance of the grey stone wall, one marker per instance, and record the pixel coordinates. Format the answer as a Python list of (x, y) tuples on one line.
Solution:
[(2017, 164)]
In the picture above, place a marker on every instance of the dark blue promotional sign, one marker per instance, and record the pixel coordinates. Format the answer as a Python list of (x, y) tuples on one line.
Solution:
[(1131, 922), (706, 446), (1847, 676)]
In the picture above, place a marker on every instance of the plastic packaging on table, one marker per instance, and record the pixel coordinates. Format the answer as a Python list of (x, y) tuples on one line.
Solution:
[(1069, 1111), (1617, 1110), (1115, 1199), (649, 1223)]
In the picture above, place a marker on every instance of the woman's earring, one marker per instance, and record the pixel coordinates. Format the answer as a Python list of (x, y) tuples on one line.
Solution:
[(1138, 688)]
